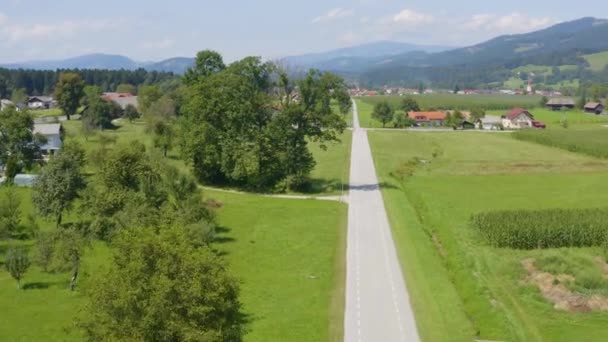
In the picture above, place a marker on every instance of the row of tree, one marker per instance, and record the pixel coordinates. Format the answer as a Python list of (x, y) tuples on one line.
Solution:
[(42, 82)]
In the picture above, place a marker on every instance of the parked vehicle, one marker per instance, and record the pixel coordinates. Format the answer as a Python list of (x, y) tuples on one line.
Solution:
[(538, 124)]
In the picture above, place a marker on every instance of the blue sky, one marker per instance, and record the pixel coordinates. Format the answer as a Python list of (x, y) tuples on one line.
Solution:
[(154, 30)]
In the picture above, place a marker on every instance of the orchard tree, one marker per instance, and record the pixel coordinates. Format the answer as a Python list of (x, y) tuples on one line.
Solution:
[(408, 104), (190, 298), (68, 93), (17, 263), (19, 146), (60, 183), (383, 112), (10, 214)]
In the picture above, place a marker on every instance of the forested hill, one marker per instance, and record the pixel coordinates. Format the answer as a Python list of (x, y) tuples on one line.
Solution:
[(42, 82), (565, 44)]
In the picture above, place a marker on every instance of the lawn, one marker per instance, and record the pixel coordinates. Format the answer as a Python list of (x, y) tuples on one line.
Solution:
[(38, 113), (462, 288), (597, 61)]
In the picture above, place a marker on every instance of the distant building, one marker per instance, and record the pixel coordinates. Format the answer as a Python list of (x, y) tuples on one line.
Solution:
[(594, 108), (560, 104), (5, 104), (53, 135), (24, 180), (40, 102), (517, 118), (122, 99), (428, 118)]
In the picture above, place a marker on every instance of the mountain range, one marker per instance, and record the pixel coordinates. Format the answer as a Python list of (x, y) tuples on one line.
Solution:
[(566, 51)]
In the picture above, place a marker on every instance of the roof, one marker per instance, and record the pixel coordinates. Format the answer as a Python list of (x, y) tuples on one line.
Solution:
[(47, 129), (560, 102), (427, 116), (515, 112), (6, 102), (592, 105), (40, 98)]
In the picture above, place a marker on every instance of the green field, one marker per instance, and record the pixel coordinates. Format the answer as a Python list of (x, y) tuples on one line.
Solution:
[(593, 142), (597, 61), (462, 102), (461, 288), (553, 119)]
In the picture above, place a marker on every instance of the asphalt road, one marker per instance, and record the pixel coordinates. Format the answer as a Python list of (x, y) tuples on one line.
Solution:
[(377, 301)]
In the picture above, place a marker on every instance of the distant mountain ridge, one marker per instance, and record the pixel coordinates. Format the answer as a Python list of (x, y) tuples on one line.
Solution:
[(176, 65)]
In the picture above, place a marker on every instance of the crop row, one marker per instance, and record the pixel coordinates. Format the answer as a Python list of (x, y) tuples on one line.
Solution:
[(551, 228), (593, 142)]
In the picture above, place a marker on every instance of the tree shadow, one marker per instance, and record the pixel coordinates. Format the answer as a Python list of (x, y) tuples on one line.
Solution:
[(318, 186), (221, 237), (43, 285), (372, 187)]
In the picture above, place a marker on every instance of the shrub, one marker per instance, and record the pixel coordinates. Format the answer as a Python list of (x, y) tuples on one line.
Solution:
[(529, 229)]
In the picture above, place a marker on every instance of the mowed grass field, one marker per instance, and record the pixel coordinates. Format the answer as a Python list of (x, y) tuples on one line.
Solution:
[(462, 102), (460, 287), (597, 61), (288, 255), (553, 119)]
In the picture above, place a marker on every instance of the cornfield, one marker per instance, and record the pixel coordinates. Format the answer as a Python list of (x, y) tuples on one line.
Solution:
[(552, 228), (593, 142)]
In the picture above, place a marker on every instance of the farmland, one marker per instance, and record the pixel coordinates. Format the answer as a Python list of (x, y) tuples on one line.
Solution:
[(597, 61), (463, 102), (461, 286), (588, 141)]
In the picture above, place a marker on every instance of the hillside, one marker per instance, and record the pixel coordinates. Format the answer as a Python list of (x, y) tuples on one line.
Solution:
[(571, 45)]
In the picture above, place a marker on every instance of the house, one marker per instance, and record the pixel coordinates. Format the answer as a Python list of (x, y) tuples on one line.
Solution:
[(560, 104), (24, 180), (122, 99), (53, 135), (40, 102), (517, 118), (428, 118), (594, 108), (492, 123), (5, 104)]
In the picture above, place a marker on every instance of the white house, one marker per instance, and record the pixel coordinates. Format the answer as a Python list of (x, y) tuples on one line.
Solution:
[(491, 123), (517, 118), (40, 102), (52, 133), (5, 103)]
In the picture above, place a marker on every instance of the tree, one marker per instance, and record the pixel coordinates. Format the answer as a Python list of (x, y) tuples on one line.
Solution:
[(207, 63), (582, 101), (19, 146), (147, 96), (19, 96), (60, 182), (131, 113), (543, 101), (68, 93), (44, 250), (408, 104), (184, 292), (163, 135), (126, 88), (402, 120), (477, 114), (68, 250), (10, 214), (17, 263), (383, 112), (98, 112), (456, 89)]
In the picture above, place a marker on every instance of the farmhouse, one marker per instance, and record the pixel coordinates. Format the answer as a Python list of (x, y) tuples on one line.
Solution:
[(492, 123), (428, 118), (122, 99), (517, 118), (52, 133), (40, 102), (560, 104), (5, 104), (594, 108)]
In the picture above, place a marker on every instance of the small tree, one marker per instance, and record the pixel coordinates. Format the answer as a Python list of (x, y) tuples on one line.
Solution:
[(17, 263), (10, 214), (131, 113), (69, 249), (477, 114), (44, 250), (19, 96), (582, 101), (383, 112), (408, 104), (402, 120), (543, 101), (60, 182), (456, 89)]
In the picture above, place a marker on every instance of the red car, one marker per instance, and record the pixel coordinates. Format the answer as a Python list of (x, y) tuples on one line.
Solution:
[(538, 124)]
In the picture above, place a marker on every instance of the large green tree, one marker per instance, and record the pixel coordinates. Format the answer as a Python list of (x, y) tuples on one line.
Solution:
[(60, 183), (409, 104), (383, 112), (160, 287), (249, 125), (19, 146), (68, 93)]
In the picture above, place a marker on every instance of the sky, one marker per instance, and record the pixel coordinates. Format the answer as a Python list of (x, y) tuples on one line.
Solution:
[(153, 30)]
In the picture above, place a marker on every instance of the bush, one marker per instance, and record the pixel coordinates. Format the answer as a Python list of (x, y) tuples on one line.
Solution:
[(529, 229)]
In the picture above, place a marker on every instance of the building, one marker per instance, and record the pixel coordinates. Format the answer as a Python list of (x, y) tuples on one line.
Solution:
[(518, 118), (40, 102), (428, 118), (53, 135), (492, 123), (5, 104), (560, 104), (594, 108), (122, 99)]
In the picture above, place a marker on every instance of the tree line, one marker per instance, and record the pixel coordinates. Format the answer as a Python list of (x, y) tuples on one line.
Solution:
[(42, 82)]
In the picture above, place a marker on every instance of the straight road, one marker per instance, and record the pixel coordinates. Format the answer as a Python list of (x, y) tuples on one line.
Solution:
[(377, 303)]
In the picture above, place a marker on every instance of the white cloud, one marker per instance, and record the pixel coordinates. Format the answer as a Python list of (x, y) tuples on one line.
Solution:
[(511, 23), (3, 18), (20, 32), (412, 18), (334, 14)]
